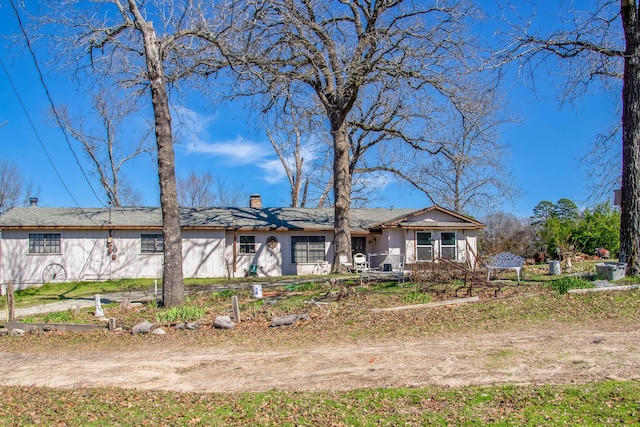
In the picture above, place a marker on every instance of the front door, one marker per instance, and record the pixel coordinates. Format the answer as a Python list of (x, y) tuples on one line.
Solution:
[(358, 245)]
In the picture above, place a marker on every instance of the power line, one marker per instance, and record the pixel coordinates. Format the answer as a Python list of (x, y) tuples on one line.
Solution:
[(55, 112), (36, 131)]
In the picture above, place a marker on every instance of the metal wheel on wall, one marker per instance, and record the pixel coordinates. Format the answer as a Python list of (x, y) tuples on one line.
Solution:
[(54, 273)]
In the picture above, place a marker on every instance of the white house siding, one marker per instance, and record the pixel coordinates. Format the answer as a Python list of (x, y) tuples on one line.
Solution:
[(83, 256), (471, 236), (290, 268), (130, 262), (461, 246), (410, 246), (18, 265), (395, 239), (207, 252), (202, 256), (375, 243), (203, 253), (437, 216), (462, 237), (268, 260), (272, 261)]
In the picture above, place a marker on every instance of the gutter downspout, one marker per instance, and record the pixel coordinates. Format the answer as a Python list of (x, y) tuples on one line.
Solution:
[(235, 244)]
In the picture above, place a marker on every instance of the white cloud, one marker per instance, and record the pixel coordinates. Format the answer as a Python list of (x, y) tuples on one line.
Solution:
[(238, 151), (190, 122), (377, 181), (193, 131), (274, 172)]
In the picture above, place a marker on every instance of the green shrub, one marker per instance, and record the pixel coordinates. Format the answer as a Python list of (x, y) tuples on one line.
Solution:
[(59, 317), (570, 282), (222, 295), (227, 293), (185, 313), (304, 287), (416, 297)]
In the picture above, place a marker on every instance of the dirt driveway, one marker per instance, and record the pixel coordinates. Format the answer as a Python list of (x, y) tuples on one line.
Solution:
[(551, 354)]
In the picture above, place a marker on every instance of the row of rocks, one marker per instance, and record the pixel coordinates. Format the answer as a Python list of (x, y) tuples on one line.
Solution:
[(221, 322), (146, 327), (17, 332)]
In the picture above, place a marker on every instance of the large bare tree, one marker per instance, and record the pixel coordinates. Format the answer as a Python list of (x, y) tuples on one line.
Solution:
[(205, 190), (289, 152), (469, 173), (598, 44), (295, 133), (103, 141), (393, 59), (603, 165), (148, 45), (506, 232), (15, 190)]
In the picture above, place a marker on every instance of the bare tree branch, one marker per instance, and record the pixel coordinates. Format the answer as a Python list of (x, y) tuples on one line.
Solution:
[(106, 147), (350, 56), (599, 45), (15, 190), (206, 190)]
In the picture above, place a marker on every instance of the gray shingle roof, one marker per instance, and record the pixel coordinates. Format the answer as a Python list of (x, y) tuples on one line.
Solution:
[(438, 224), (226, 218)]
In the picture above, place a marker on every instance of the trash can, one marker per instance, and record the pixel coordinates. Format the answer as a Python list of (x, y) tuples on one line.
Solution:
[(554, 267), (257, 291), (612, 270)]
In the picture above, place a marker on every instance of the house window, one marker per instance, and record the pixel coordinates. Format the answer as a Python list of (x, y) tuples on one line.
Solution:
[(307, 249), (448, 245), (424, 246), (247, 245), (44, 243), (151, 243)]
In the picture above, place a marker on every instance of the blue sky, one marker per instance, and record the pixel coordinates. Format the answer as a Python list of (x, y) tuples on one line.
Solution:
[(546, 147)]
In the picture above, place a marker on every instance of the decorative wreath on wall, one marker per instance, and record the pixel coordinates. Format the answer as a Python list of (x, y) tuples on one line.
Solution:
[(272, 242)]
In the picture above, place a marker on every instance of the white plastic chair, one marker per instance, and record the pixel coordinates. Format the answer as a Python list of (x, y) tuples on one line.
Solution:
[(360, 262), (344, 260)]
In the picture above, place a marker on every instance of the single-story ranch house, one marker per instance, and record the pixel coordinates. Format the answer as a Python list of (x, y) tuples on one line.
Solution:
[(39, 244)]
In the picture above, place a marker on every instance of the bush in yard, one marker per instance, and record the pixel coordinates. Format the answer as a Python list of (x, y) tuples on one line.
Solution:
[(181, 314), (598, 228), (562, 228), (570, 282), (507, 233)]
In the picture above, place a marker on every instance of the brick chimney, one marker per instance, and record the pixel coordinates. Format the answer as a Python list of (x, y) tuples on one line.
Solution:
[(33, 201), (255, 201)]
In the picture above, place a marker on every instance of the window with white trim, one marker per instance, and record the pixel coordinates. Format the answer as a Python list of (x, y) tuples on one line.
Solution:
[(424, 245), (307, 249), (44, 243), (247, 245), (151, 243), (448, 245)]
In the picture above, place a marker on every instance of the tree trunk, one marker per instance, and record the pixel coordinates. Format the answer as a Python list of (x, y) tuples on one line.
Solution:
[(342, 194), (630, 215), (172, 285)]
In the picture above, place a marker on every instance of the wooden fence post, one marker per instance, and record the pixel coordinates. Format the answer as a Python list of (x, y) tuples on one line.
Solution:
[(10, 302), (235, 308)]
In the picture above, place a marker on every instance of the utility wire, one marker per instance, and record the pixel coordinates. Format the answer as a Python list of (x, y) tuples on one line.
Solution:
[(36, 131), (55, 112)]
